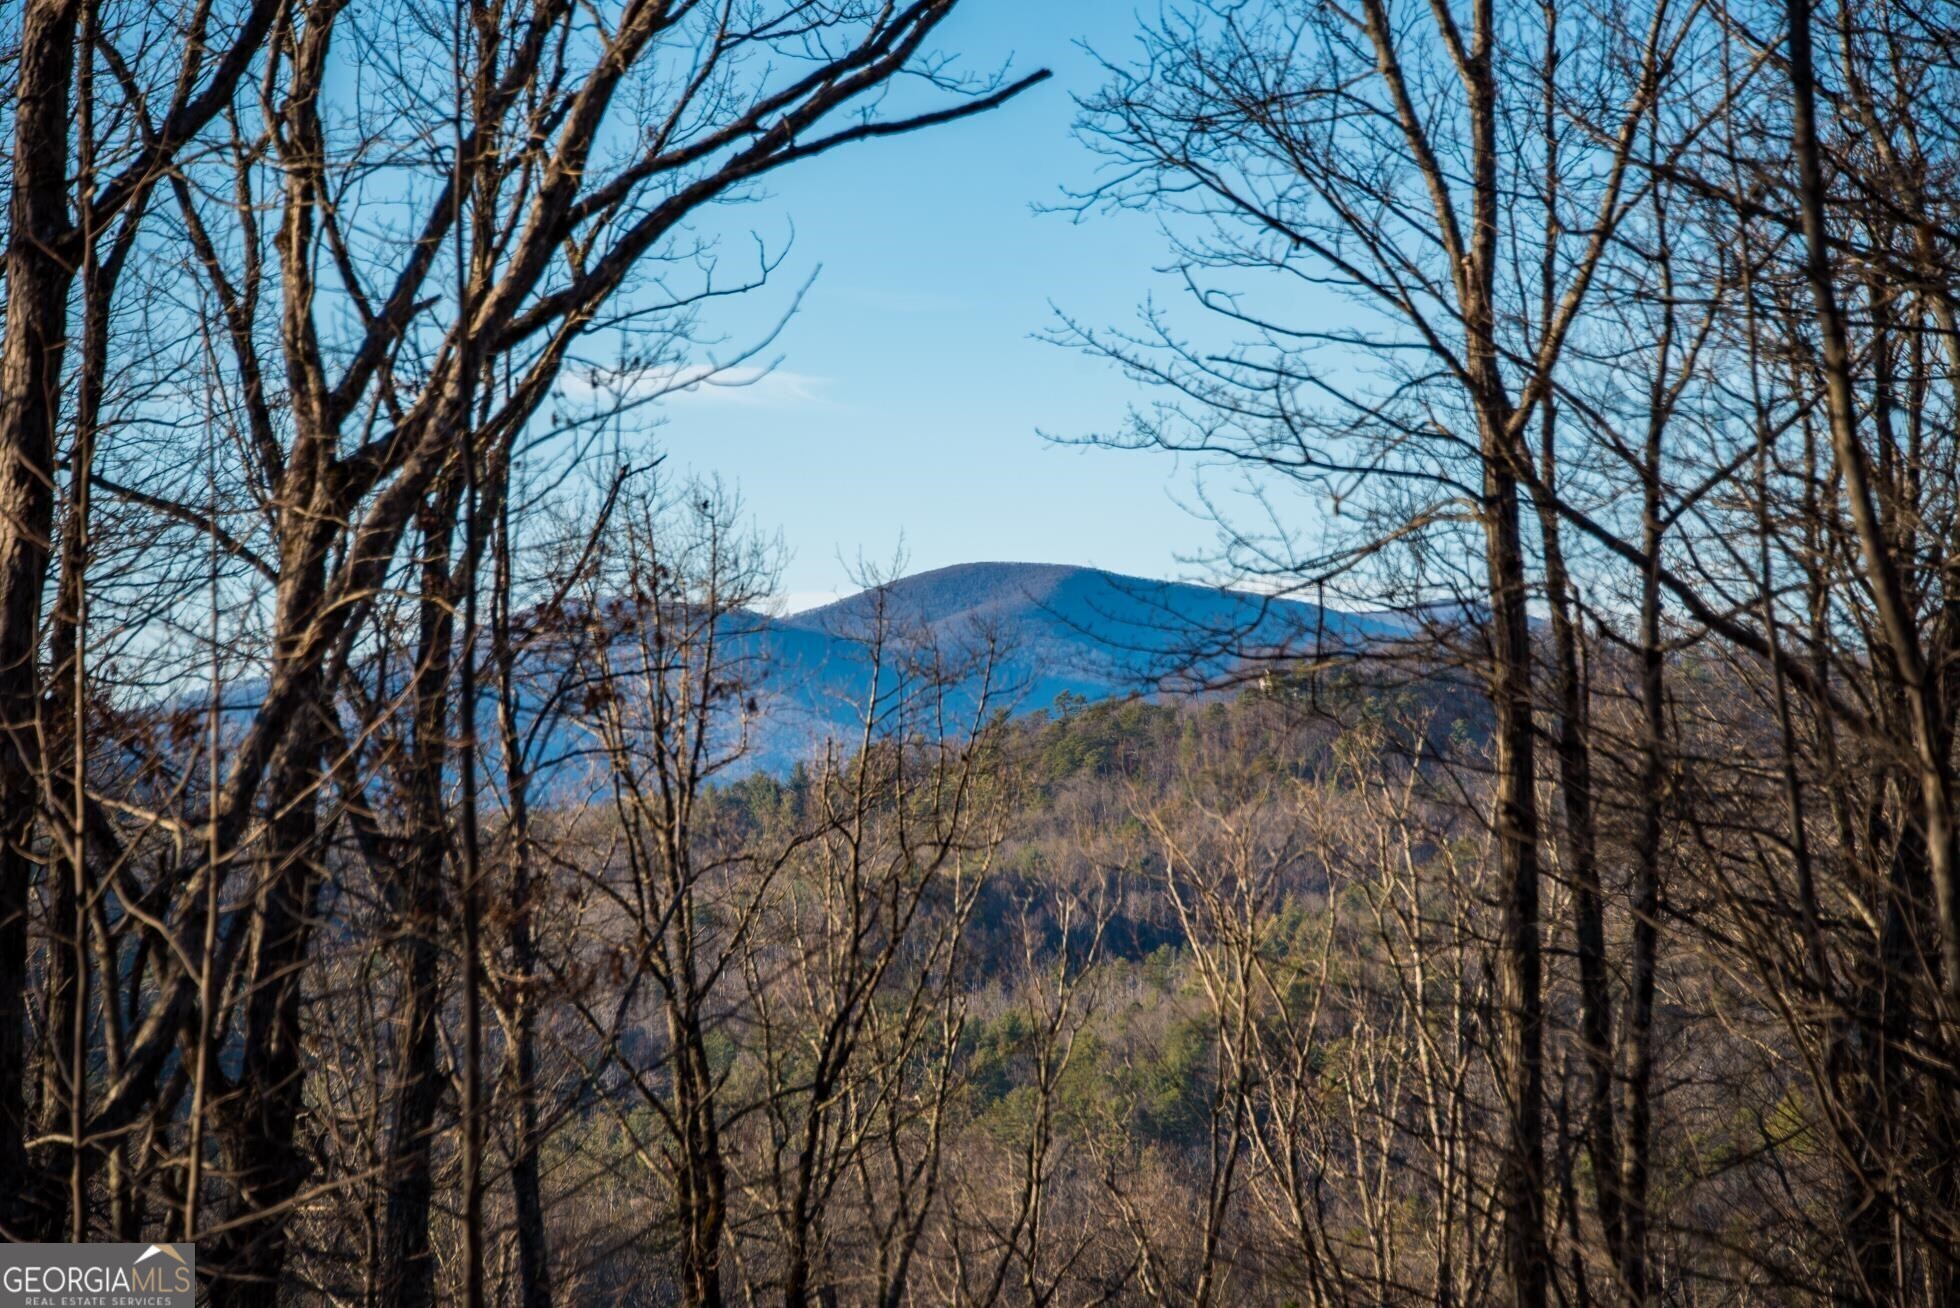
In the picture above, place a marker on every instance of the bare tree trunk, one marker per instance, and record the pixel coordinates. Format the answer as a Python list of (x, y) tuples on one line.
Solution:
[(262, 1154), (1581, 845), (1520, 970), (31, 355), (1521, 1174), (521, 1063), (1634, 1167), (42, 258), (469, 875), (1927, 718), (701, 1180), (408, 1262), (1581, 857)]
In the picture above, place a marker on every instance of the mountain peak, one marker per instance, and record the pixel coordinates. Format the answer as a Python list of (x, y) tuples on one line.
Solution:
[(939, 594), (1085, 630)]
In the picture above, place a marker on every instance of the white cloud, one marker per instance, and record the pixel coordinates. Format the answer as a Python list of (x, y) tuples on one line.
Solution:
[(754, 385)]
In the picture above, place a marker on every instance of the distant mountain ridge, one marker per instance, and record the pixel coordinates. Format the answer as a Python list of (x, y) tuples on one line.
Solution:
[(1058, 629), (1020, 634)]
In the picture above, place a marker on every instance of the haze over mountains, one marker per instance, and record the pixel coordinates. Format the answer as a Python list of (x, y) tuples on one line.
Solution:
[(1019, 634), (1054, 628)]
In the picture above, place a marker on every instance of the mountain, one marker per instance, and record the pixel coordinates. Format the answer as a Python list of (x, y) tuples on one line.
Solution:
[(1053, 629), (1021, 634)]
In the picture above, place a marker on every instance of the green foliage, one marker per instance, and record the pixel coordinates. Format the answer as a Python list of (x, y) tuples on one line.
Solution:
[(1171, 1089), (1161, 968), (1097, 740), (996, 1054)]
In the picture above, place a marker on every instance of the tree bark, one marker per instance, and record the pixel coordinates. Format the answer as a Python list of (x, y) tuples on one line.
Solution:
[(31, 355), (408, 1264)]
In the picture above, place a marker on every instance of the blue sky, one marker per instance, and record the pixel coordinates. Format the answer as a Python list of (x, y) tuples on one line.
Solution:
[(910, 396)]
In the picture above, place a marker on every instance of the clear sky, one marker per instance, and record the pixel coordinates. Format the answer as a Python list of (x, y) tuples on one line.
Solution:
[(910, 396)]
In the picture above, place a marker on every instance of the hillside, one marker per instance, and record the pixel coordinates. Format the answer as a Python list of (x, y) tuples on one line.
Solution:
[(1058, 629)]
